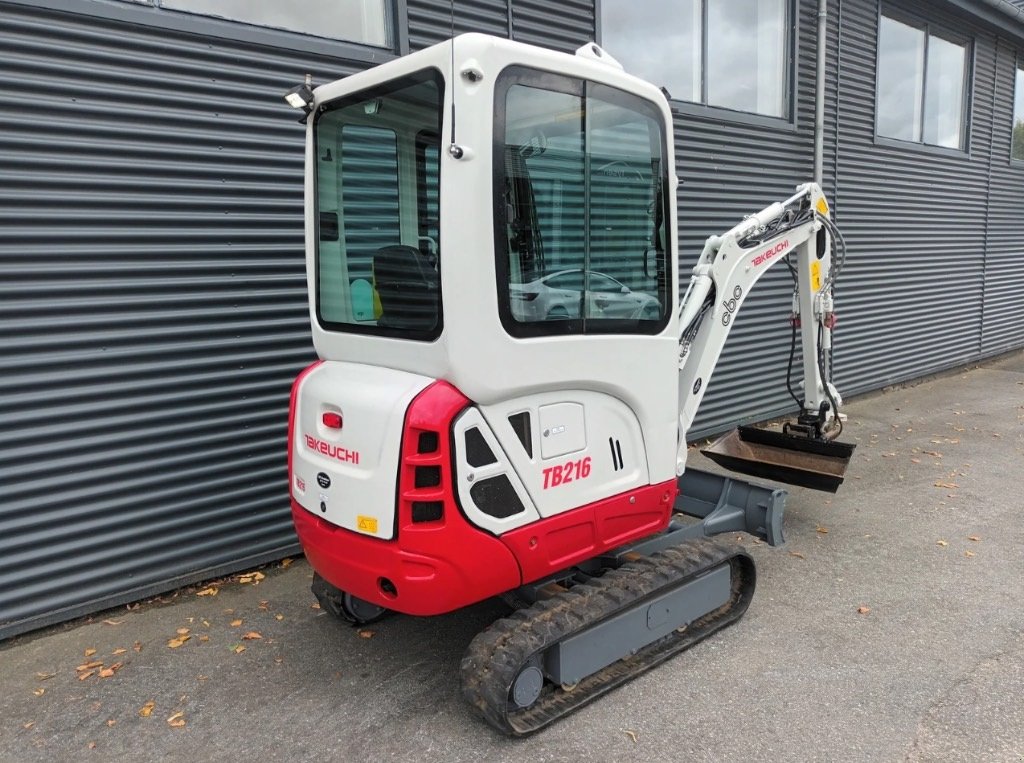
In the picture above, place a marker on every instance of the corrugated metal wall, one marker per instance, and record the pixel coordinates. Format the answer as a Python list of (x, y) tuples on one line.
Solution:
[(152, 294), (153, 307)]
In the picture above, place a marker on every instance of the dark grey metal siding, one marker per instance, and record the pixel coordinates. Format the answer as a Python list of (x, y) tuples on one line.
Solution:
[(933, 276), (152, 303)]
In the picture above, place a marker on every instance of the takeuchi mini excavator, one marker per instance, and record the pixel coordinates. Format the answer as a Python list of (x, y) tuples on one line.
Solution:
[(509, 371)]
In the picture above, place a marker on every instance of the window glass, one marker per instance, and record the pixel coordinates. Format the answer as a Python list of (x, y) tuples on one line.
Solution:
[(944, 97), (744, 66), (1017, 143), (364, 21), (581, 224), (377, 205), (921, 85), (900, 80), (659, 40), (751, 31)]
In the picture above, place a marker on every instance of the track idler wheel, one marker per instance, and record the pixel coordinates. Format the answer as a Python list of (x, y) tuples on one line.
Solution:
[(344, 605)]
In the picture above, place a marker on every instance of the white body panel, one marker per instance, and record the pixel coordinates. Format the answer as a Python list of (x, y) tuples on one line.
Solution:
[(604, 418), (360, 460), (474, 352)]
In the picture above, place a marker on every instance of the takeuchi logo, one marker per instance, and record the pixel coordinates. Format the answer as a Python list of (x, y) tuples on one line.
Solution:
[(773, 252), (344, 455)]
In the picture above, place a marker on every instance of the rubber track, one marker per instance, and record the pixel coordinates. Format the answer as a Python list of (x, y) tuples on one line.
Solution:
[(497, 654)]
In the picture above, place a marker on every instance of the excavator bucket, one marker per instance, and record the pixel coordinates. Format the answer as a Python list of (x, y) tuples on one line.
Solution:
[(815, 464)]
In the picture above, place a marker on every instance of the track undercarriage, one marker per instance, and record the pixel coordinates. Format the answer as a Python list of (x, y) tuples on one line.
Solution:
[(546, 660)]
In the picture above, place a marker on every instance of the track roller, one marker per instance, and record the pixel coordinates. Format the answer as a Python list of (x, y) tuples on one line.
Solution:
[(543, 662)]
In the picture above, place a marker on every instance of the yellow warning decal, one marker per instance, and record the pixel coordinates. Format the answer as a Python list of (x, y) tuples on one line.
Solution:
[(822, 206), (366, 524), (816, 275)]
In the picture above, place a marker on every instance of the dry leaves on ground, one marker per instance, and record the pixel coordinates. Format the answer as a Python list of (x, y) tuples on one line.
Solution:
[(863, 610), (208, 591), (797, 554), (235, 623), (974, 537), (251, 577), (252, 636), (177, 641), (177, 720), (147, 709), (941, 543), (108, 672)]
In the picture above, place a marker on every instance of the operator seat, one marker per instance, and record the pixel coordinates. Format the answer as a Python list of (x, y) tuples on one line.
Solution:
[(407, 286)]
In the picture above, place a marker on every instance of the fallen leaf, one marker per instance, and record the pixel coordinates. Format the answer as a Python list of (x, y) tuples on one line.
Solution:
[(137, 646), (279, 660), (822, 530), (915, 460), (206, 623), (279, 617), (119, 651), (86, 674), (251, 577), (201, 677), (264, 605), (108, 672), (174, 643), (147, 709), (88, 665), (210, 591), (177, 720), (112, 622), (974, 537), (947, 485), (287, 561), (315, 605), (111, 722), (204, 638), (28, 725), (92, 745), (252, 636), (941, 543), (631, 734), (237, 648), (863, 610), (90, 652), (366, 634), (39, 692), (182, 631), (45, 676), (968, 554), (235, 623), (797, 554)]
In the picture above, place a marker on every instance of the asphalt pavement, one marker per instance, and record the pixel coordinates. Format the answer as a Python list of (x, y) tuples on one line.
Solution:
[(889, 627)]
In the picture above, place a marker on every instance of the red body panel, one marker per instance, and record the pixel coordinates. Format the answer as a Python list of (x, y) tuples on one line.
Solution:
[(552, 544), (435, 566), (442, 565)]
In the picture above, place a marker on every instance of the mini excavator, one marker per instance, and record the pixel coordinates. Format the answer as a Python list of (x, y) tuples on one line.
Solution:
[(508, 372)]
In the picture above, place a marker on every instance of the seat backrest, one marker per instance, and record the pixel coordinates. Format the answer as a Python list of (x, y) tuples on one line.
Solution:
[(407, 286)]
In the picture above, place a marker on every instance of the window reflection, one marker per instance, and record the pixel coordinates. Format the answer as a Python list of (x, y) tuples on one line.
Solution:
[(921, 85), (744, 66)]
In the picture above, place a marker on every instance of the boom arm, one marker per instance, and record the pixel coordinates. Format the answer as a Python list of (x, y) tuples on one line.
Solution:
[(727, 270)]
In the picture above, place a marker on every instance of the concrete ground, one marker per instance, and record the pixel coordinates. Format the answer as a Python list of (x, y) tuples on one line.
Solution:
[(889, 627)]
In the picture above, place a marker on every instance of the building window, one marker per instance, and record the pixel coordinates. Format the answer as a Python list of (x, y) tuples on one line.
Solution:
[(1017, 142), (728, 53), (922, 84), (362, 21)]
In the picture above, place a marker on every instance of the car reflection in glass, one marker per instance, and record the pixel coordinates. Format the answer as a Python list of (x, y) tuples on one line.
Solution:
[(557, 296)]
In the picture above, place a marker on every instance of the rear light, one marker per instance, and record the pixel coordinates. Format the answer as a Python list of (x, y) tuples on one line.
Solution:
[(332, 420)]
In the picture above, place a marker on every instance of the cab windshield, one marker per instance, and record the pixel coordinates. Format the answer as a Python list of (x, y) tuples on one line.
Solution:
[(377, 170), (581, 215)]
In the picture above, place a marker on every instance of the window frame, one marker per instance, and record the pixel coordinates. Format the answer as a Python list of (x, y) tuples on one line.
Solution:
[(786, 122), (930, 29), (379, 91), (575, 327), (1018, 66)]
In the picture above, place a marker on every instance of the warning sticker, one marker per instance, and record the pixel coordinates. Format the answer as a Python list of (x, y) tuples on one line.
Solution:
[(816, 275), (366, 524)]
